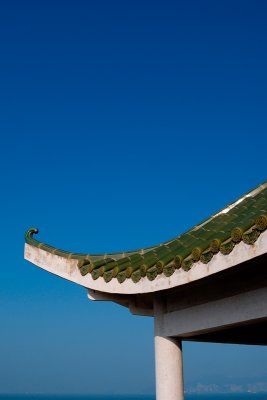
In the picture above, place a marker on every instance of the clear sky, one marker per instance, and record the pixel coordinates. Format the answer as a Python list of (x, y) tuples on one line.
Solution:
[(123, 123)]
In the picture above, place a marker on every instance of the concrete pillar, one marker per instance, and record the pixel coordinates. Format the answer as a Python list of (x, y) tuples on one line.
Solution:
[(169, 361)]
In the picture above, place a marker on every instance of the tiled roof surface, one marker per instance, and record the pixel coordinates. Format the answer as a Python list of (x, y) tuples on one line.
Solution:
[(243, 220)]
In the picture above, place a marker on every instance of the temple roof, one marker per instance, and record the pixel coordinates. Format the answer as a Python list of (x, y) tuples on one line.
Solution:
[(243, 221)]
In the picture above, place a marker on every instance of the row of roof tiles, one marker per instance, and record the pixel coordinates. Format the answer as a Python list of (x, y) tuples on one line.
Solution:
[(243, 220)]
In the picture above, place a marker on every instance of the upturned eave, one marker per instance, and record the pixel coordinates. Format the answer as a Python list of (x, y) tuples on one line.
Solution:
[(68, 269)]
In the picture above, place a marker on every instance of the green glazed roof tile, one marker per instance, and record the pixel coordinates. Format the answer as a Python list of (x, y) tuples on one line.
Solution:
[(243, 220)]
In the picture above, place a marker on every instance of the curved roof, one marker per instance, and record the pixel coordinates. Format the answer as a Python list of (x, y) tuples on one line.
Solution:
[(242, 221)]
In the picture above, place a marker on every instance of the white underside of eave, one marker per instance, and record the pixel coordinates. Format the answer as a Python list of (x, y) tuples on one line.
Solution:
[(67, 268)]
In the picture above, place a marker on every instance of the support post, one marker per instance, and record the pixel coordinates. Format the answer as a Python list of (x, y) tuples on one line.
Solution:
[(168, 358)]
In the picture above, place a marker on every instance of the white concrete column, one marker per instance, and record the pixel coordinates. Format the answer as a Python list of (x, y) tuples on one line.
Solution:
[(169, 361)]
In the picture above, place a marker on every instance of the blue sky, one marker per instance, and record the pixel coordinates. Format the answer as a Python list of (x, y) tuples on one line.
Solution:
[(122, 124)]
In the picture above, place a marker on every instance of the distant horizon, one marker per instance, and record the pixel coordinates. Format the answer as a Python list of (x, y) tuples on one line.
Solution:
[(129, 395), (187, 391)]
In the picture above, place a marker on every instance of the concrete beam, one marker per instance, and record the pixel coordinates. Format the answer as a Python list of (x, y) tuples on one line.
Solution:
[(136, 307), (215, 315)]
